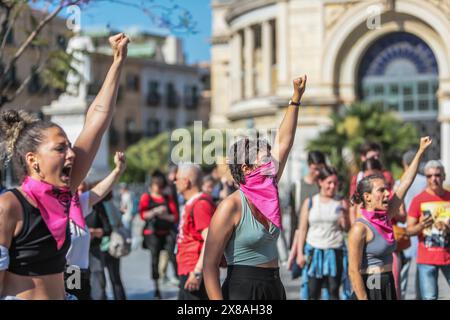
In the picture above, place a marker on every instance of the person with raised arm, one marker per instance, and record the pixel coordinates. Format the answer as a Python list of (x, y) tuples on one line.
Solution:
[(247, 224), (371, 239), (34, 218)]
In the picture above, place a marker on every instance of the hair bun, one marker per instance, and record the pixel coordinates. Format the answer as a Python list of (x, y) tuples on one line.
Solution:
[(10, 117), (12, 123)]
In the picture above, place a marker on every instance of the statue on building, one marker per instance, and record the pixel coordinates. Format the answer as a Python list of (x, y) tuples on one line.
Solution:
[(78, 79)]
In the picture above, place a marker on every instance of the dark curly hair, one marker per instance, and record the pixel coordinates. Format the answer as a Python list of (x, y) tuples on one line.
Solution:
[(245, 151), (365, 185), (20, 133)]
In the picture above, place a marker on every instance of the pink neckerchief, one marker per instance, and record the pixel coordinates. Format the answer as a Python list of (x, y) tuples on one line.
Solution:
[(380, 221), (261, 189), (56, 205)]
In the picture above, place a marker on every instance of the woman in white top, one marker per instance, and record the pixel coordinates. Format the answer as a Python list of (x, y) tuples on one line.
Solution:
[(77, 271), (323, 221)]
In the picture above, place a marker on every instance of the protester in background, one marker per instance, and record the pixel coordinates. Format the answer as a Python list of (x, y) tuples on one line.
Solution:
[(371, 240), (112, 263), (429, 218), (99, 227), (78, 254), (208, 184), (323, 221), (369, 150), (194, 226), (303, 189), (160, 215), (172, 188)]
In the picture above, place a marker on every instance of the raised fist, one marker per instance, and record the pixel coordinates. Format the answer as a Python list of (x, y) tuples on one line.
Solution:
[(299, 87), (119, 45), (425, 142)]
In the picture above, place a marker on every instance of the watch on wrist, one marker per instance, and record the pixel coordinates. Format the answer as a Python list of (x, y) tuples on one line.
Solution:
[(293, 103), (197, 275)]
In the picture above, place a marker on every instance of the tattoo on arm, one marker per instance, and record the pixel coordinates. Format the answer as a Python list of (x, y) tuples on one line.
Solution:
[(101, 108)]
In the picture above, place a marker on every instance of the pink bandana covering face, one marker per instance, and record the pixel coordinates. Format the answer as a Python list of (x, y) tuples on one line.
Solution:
[(56, 205), (380, 220), (261, 189)]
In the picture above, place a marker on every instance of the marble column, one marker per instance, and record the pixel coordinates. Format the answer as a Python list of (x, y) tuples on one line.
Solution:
[(236, 67), (267, 57), (282, 42), (249, 63)]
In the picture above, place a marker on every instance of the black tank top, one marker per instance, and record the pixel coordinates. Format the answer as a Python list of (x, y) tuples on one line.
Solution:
[(34, 251)]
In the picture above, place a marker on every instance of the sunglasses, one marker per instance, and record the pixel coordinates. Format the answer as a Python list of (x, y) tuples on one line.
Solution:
[(437, 175)]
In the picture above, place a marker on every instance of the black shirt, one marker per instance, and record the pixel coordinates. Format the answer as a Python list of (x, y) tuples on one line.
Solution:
[(34, 251)]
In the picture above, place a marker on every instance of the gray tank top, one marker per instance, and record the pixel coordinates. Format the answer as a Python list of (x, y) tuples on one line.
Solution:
[(377, 252), (251, 243)]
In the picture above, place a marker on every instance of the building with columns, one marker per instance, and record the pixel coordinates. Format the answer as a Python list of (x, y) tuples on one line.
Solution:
[(393, 52)]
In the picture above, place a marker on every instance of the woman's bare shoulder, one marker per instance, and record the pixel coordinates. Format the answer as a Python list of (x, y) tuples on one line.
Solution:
[(9, 207), (230, 206)]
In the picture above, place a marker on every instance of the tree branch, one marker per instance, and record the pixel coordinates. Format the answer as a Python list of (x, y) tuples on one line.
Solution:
[(5, 98), (33, 35), (9, 26)]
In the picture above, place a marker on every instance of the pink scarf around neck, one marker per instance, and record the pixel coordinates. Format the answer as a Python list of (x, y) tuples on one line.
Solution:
[(57, 206), (381, 222), (261, 189)]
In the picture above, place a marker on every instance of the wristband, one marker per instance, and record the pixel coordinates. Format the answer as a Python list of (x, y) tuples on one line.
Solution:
[(292, 103)]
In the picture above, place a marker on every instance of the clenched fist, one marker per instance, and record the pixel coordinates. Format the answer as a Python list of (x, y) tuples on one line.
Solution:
[(425, 142), (119, 45), (299, 88)]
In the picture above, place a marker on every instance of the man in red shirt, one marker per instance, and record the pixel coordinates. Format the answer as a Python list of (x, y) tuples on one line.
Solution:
[(193, 229), (429, 217)]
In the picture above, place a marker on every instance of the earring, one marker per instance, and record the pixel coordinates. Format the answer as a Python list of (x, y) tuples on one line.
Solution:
[(36, 168)]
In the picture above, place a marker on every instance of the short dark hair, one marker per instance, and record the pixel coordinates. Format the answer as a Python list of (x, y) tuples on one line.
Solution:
[(369, 146), (326, 172), (371, 164), (158, 176), (245, 151), (316, 157)]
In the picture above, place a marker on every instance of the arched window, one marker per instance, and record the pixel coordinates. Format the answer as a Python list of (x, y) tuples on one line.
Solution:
[(400, 73)]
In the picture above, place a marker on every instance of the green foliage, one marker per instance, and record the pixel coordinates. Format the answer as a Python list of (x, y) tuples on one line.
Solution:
[(361, 123), (155, 153), (145, 156)]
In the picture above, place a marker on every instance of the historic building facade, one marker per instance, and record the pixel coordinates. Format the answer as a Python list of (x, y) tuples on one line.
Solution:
[(396, 53)]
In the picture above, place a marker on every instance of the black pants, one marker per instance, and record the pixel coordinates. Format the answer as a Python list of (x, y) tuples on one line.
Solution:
[(332, 283), (380, 286), (84, 290), (113, 266), (97, 271), (157, 243), (253, 283), (183, 294)]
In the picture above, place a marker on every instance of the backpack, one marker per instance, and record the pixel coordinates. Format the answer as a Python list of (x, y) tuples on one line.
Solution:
[(223, 261), (120, 242)]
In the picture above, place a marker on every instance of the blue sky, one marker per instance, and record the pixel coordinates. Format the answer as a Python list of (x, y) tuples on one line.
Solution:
[(101, 13)]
